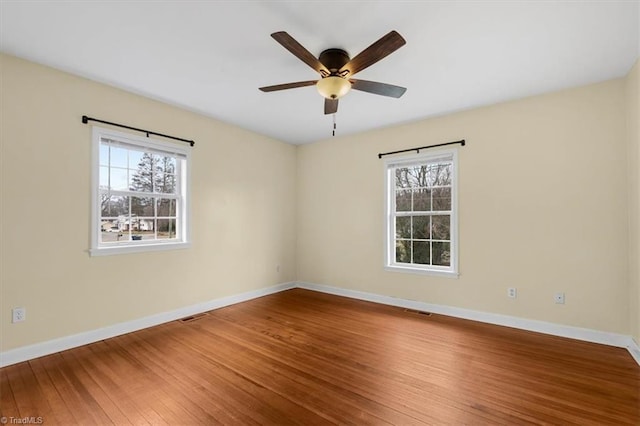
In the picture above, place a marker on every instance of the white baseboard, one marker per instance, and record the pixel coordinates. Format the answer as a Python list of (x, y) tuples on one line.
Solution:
[(634, 349), (585, 334), (26, 353)]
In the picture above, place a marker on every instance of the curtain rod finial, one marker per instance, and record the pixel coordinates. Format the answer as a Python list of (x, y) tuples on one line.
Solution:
[(85, 119)]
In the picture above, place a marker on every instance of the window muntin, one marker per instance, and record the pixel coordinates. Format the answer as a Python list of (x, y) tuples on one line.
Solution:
[(421, 216), (140, 193)]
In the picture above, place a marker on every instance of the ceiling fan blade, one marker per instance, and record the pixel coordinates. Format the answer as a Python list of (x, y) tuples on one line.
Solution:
[(330, 106), (376, 88), (299, 51), (288, 85), (372, 54)]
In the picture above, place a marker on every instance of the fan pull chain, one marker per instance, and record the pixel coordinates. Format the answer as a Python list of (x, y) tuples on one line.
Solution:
[(334, 124)]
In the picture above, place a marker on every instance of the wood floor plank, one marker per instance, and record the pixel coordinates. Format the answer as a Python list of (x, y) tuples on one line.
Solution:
[(83, 372), (194, 369), (8, 405), (60, 409), (331, 376), (107, 372), (292, 379), (55, 367), (70, 385), (39, 407), (148, 391), (210, 409), (302, 358), (376, 379)]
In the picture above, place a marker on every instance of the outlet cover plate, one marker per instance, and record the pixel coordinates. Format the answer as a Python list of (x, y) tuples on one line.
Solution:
[(18, 314)]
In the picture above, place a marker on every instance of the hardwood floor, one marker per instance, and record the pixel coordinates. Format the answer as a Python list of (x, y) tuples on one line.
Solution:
[(301, 357)]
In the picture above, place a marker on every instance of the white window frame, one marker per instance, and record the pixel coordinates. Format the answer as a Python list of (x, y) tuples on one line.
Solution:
[(182, 204), (390, 165)]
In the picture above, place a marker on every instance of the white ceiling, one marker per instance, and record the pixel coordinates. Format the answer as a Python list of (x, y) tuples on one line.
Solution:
[(211, 56)]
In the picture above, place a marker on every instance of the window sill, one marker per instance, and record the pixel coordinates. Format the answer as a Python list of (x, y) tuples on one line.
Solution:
[(141, 248), (420, 271)]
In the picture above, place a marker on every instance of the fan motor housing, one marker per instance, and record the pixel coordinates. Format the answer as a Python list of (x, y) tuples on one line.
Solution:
[(334, 59)]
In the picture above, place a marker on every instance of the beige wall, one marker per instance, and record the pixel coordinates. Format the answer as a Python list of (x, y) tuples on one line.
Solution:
[(633, 131), (543, 207), (242, 197), (549, 194)]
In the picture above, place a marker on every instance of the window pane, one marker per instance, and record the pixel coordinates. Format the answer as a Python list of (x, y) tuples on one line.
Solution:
[(403, 227), (166, 228), (402, 180), (119, 179), (142, 206), (167, 164), (158, 178), (442, 199), (108, 225), (403, 200), (441, 254), (143, 175), (403, 251), (109, 232), (166, 207), (157, 160), (422, 200), (134, 159), (441, 174), (118, 157), (104, 155), (165, 183), (104, 177), (421, 227), (431, 174), (143, 224), (421, 252), (113, 206), (417, 176), (441, 227), (142, 229)]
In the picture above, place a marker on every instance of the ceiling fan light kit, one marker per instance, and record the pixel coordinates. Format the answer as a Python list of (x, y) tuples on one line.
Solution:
[(336, 69), (333, 87)]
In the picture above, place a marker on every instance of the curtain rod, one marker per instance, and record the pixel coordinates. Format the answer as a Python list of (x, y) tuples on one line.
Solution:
[(417, 150), (86, 119)]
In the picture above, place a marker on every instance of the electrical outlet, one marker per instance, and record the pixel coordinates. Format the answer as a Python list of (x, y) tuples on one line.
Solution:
[(18, 314), (559, 298), (512, 292)]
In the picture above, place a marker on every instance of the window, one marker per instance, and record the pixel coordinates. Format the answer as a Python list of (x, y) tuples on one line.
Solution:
[(421, 234), (140, 194)]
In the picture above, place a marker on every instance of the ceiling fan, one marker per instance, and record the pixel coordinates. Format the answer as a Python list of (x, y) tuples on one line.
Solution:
[(336, 69)]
